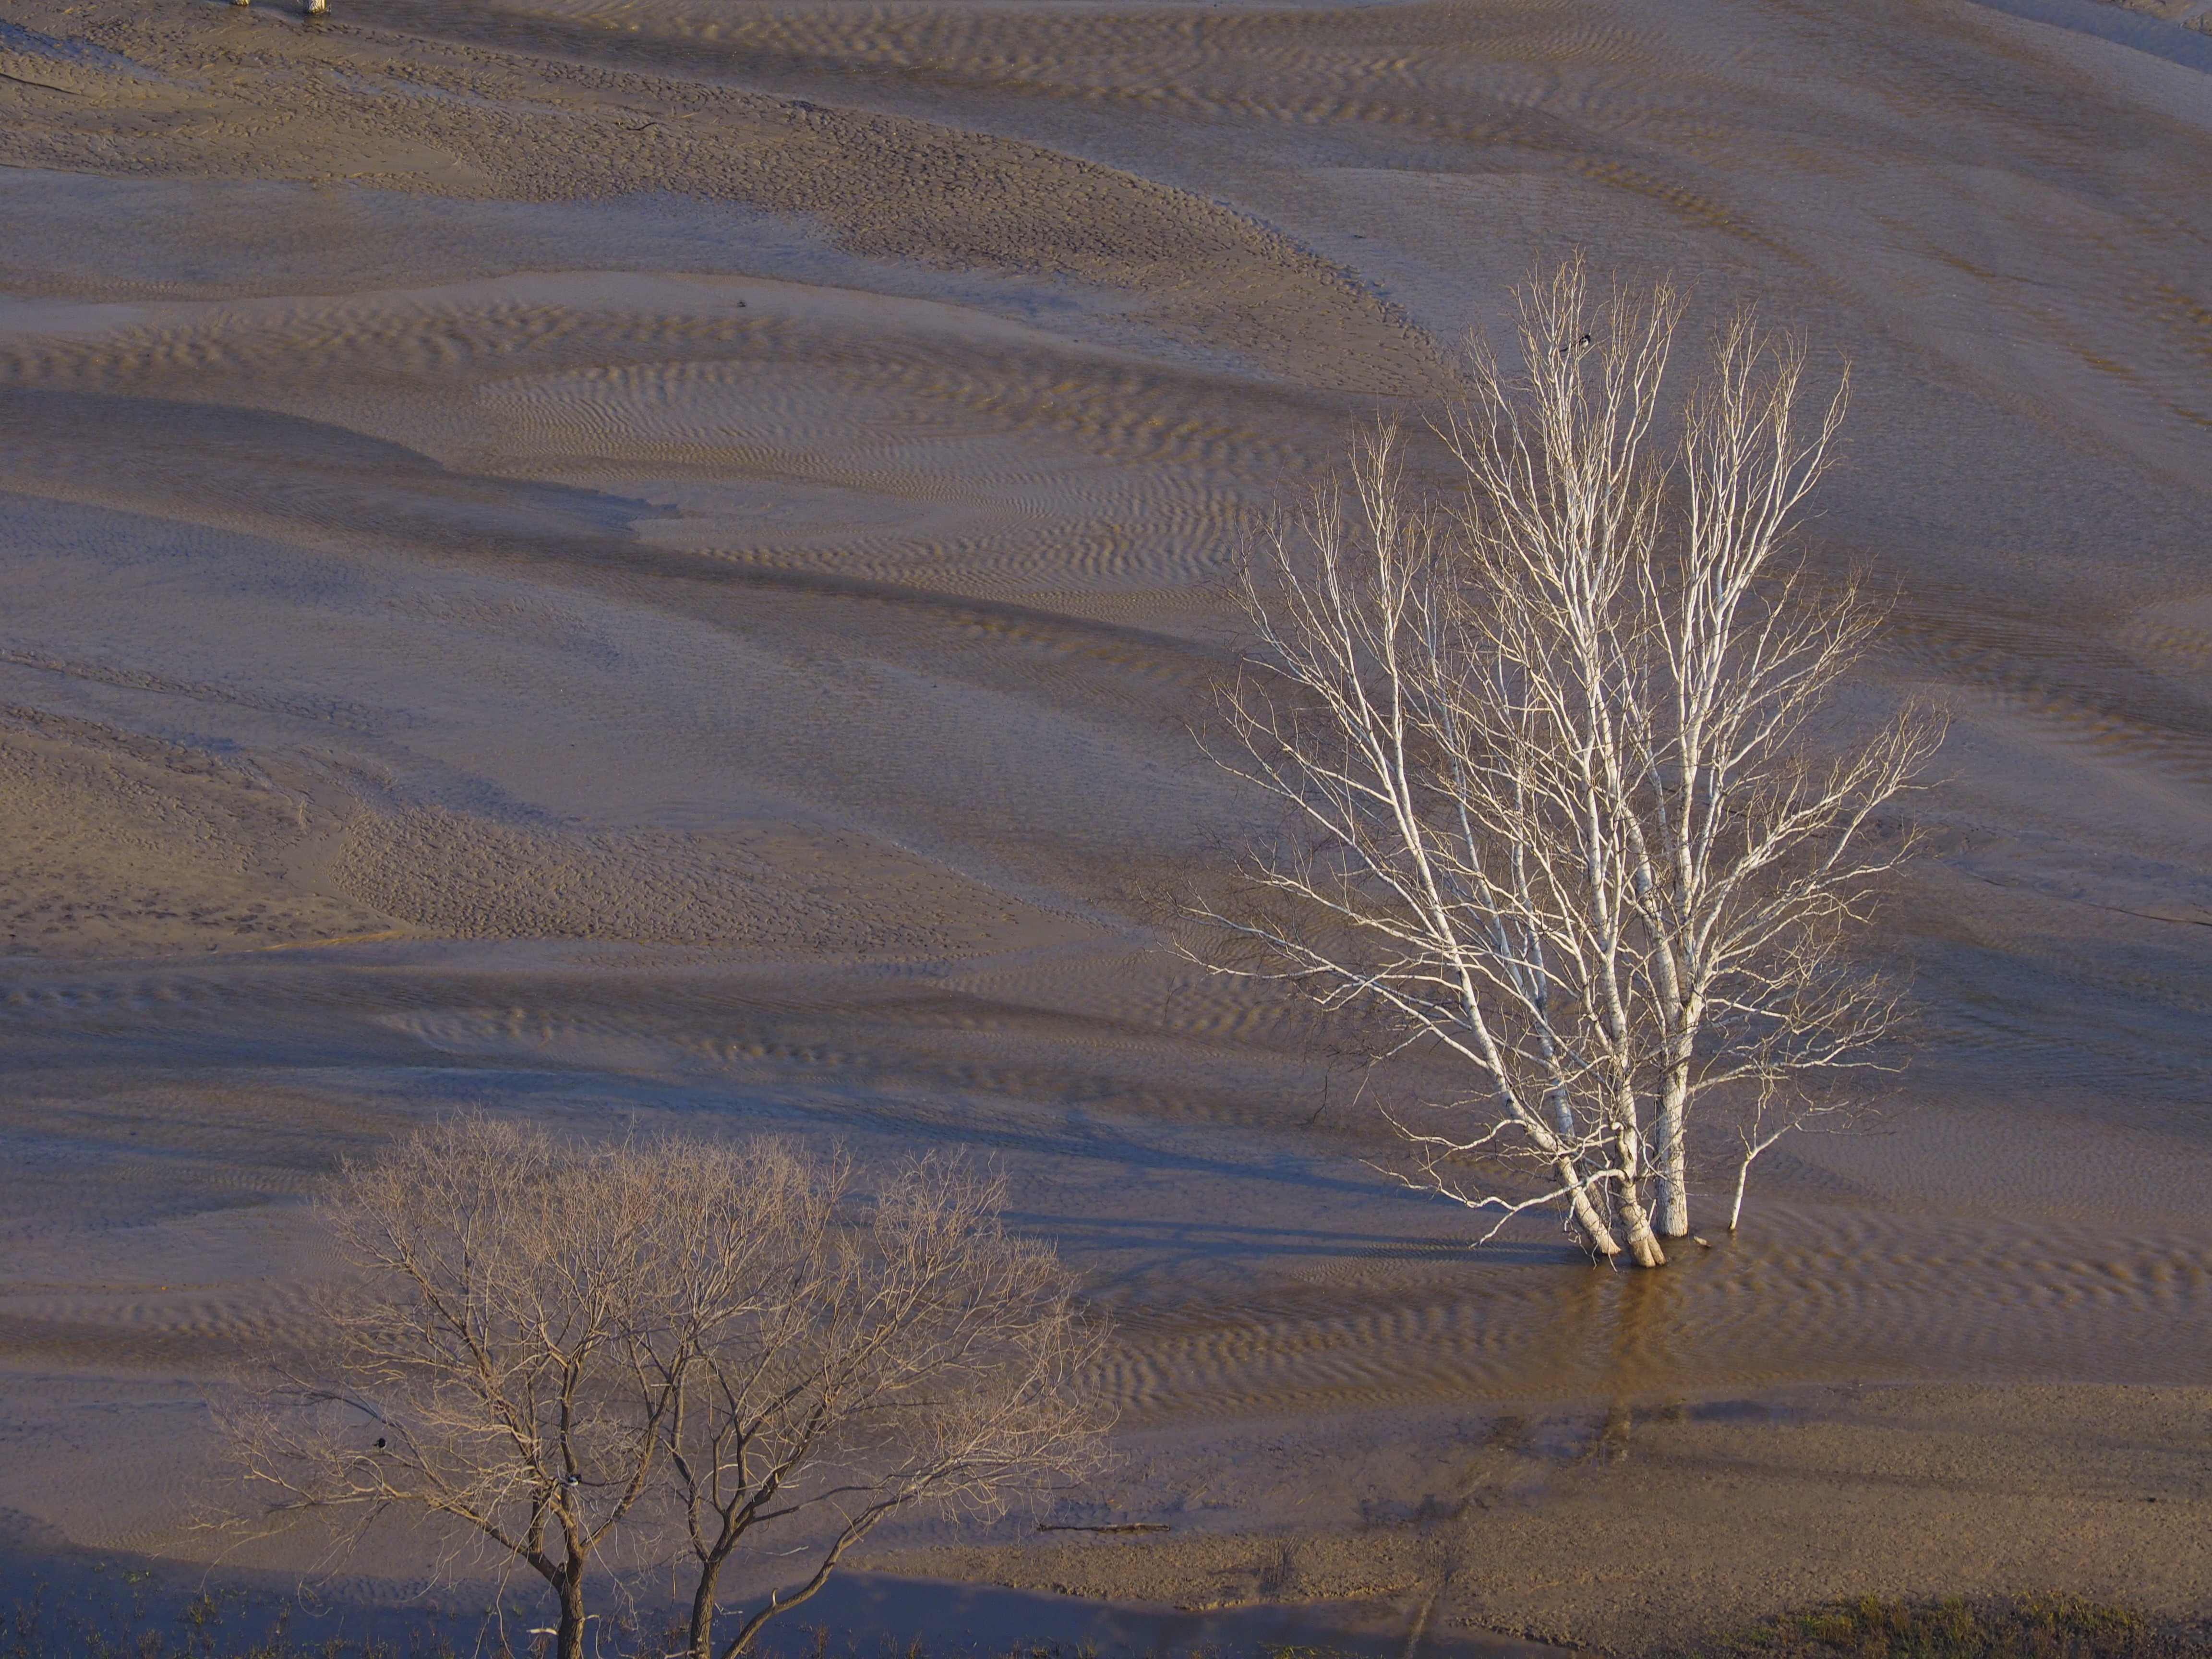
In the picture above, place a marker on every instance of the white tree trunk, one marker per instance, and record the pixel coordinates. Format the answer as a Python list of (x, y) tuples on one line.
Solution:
[(1595, 1233), (1673, 1217), (1642, 1245)]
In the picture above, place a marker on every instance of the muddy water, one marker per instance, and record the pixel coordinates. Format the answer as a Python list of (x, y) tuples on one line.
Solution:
[(656, 563), (1254, 1265)]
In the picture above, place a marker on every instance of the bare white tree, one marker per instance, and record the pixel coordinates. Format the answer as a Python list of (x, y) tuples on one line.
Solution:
[(1562, 806), (549, 1340)]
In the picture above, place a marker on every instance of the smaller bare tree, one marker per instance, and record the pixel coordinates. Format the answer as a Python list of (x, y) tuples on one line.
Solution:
[(544, 1335), (925, 1356), (1565, 804)]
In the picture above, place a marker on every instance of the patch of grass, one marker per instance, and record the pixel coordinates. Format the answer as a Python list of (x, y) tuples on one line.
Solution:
[(2016, 1628)]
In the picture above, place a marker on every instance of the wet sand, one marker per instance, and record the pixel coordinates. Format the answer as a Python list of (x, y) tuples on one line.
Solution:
[(655, 560)]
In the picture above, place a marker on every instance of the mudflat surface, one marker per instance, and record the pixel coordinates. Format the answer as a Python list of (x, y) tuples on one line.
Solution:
[(655, 560)]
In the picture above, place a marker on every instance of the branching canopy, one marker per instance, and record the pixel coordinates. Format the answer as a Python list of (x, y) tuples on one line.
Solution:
[(1564, 806)]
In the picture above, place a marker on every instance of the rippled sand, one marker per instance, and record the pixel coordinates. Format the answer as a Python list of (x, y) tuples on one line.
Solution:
[(655, 560)]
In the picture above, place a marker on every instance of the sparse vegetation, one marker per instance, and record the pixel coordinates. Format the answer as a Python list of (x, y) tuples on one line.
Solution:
[(577, 1359), (120, 1625), (120, 1614), (2015, 1627)]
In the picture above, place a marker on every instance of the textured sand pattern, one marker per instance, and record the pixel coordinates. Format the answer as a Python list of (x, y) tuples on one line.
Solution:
[(774, 889), (668, 553), (125, 845)]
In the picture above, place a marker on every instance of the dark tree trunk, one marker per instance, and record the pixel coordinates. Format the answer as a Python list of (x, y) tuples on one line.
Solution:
[(703, 1611), (703, 1601), (569, 1639)]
